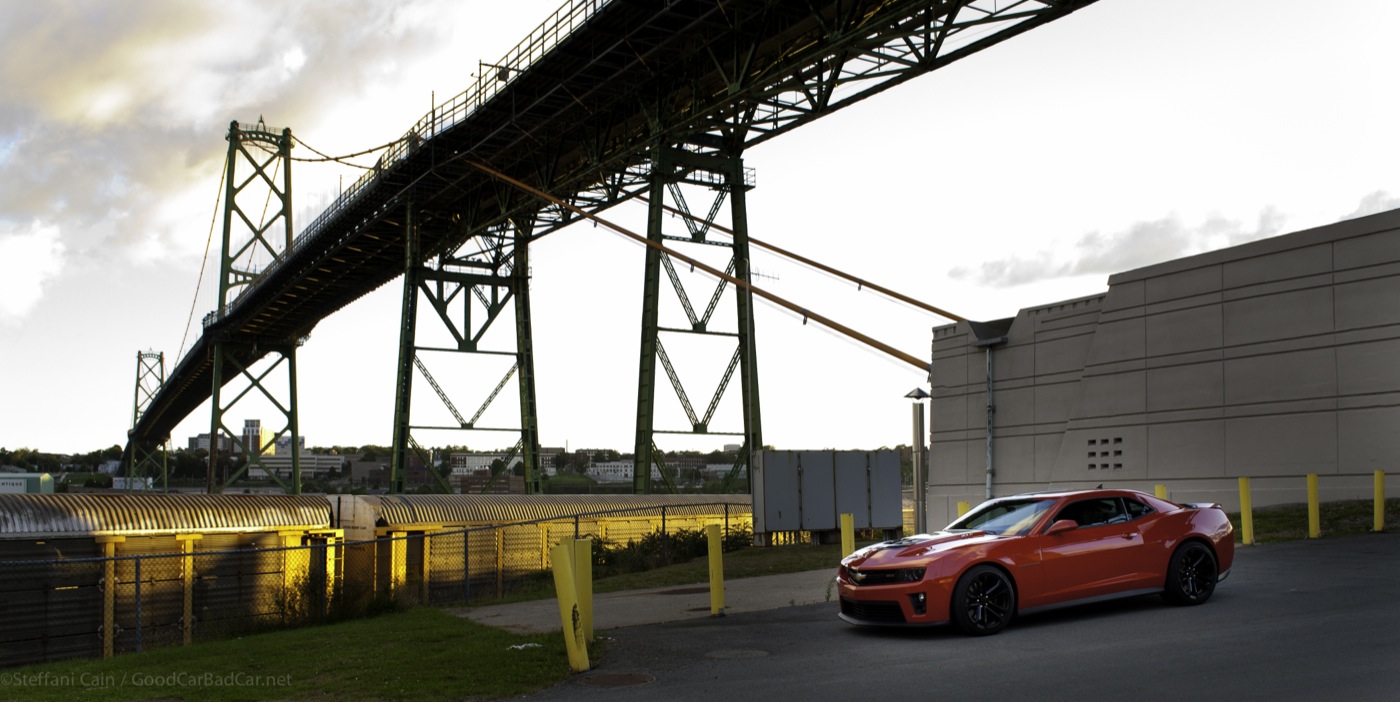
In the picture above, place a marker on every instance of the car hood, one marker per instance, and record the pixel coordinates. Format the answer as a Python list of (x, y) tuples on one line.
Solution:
[(918, 547)]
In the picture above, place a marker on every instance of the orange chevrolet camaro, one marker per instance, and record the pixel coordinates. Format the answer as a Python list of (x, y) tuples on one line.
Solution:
[(1023, 553)]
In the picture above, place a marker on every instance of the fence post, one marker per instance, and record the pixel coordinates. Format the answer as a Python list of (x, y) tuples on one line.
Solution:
[(424, 581), (187, 573), (109, 590), (1246, 514), (1379, 516), (466, 567), (138, 603), (1314, 510), (500, 562), (665, 539), (848, 534)]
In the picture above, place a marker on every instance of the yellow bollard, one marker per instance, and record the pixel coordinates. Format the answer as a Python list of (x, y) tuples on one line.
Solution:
[(569, 615), (716, 570), (963, 507), (848, 534), (1314, 512), (583, 584), (1246, 514), (1160, 490), (1380, 502)]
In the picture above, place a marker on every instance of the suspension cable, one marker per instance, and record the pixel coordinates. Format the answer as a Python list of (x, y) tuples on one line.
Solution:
[(806, 314), (818, 265), (208, 242)]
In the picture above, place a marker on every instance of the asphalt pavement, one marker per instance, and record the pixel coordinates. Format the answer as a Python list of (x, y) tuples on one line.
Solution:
[(1303, 620), (668, 604)]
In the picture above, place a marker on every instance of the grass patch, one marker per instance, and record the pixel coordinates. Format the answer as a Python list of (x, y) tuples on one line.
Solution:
[(1340, 518), (421, 654)]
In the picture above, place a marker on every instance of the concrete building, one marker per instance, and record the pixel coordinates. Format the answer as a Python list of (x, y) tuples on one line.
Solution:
[(1270, 360)]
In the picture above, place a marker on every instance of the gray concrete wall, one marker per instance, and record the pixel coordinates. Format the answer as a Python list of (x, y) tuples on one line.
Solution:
[(1269, 360)]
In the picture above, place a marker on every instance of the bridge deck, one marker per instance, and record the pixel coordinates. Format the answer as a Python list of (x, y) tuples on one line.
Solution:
[(585, 99)]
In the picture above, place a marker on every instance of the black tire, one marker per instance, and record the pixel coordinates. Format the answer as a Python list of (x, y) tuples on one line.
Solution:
[(1191, 575), (984, 601)]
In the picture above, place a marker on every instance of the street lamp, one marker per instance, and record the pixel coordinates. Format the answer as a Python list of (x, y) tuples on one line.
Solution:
[(918, 395)]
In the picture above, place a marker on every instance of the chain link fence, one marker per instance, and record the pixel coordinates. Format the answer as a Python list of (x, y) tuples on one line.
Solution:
[(55, 609)]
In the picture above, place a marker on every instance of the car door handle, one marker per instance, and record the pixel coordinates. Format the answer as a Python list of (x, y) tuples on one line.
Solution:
[(1130, 536)]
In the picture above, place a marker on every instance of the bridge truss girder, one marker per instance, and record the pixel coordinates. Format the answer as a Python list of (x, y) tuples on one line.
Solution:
[(251, 246), (468, 290), (677, 171)]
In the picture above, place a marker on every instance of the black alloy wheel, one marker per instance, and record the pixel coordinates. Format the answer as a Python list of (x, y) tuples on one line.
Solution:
[(983, 601), (1192, 574)]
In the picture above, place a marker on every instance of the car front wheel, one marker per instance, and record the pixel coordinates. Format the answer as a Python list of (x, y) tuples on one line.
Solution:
[(983, 601), (1191, 575)]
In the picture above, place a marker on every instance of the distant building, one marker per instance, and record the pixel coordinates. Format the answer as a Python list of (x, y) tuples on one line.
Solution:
[(312, 466), (201, 441), (619, 471), (284, 444), (257, 439)]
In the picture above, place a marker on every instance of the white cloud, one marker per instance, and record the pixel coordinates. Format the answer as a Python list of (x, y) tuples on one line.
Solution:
[(1140, 244), (1374, 203), (29, 260)]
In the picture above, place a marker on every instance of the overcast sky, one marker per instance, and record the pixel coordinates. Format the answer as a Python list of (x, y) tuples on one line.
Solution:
[(1132, 132)]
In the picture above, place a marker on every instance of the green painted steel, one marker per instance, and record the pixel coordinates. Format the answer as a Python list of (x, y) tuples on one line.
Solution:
[(646, 368), (525, 362), (408, 332), (147, 458), (468, 292), (268, 153), (725, 177)]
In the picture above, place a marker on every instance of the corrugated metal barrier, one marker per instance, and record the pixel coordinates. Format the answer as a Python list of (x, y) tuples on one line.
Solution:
[(109, 574)]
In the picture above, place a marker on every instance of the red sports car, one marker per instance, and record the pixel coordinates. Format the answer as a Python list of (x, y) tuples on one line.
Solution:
[(1035, 551)]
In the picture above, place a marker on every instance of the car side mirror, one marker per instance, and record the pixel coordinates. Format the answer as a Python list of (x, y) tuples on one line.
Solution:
[(1062, 525)]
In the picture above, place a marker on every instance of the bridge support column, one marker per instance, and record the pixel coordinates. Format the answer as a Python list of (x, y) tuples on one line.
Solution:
[(148, 459), (260, 174), (468, 289), (674, 172)]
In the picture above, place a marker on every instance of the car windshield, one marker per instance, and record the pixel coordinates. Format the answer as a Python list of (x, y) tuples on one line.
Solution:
[(1009, 517)]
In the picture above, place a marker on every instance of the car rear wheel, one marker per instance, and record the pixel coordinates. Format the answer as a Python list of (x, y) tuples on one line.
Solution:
[(983, 601), (1192, 574)]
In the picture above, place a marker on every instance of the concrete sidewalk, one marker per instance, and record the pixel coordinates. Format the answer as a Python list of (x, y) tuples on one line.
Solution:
[(634, 607)]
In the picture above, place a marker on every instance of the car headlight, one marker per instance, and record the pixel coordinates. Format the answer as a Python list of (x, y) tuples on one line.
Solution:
[(911, 575)]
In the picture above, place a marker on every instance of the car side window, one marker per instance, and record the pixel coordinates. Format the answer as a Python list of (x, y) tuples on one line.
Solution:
[(1095, 512), (1136, 509)]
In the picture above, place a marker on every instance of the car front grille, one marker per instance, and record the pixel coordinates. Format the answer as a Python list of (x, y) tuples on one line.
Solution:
[(873, 611), (873, 577)]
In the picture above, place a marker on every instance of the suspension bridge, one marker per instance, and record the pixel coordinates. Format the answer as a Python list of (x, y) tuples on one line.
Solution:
[(605, 102)]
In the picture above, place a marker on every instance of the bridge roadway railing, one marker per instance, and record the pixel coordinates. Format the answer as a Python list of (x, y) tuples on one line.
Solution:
[(55, 609), (457, 109)]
